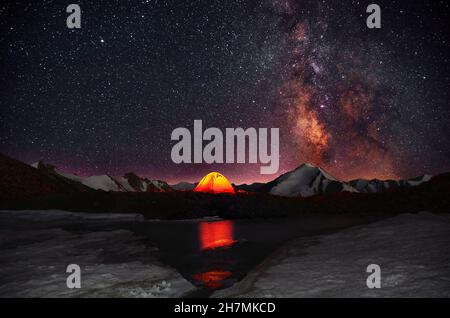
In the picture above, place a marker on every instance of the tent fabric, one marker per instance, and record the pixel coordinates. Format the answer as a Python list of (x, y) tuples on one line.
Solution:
[(214, 182)]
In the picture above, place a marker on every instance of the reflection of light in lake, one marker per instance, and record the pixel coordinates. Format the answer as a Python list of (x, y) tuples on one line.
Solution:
[(216, 234), (212, 279)]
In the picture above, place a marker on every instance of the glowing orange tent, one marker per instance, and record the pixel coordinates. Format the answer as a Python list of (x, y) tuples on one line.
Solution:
[(214, 182)]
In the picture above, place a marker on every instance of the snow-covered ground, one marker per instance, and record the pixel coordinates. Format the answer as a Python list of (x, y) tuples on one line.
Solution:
[(411, 249), (37, 246)]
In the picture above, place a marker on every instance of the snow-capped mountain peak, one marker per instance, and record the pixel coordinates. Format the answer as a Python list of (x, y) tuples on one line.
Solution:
[(130, 182), (376, 185), (307, 180)]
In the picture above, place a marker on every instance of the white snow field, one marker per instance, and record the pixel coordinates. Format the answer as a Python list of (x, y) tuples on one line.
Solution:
[(413, 251), (33, 259)]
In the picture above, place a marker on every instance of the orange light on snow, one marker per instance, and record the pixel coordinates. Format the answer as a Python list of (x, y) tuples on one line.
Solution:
[(216, 234), (214, 182), (212, 279)]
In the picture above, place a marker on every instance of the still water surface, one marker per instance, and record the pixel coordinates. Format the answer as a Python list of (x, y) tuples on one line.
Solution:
[(214, 254)]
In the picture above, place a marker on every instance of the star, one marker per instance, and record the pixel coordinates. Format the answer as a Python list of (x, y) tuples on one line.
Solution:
[(105, 98)]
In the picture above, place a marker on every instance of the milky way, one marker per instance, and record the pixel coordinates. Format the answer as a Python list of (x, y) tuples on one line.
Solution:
[(351, 106), (338, 107), (105, 98)]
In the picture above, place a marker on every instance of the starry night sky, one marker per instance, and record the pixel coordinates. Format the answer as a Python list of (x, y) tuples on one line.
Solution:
[(105, 98)]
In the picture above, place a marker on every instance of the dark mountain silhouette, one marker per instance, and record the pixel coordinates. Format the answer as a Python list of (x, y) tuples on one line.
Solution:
[(25, 187), (19, 180), (130, 182)]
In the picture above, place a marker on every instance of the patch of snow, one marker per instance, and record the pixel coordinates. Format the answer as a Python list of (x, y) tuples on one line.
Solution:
[(107, 182), (124, 184), (375, 185), (158, 184), (326, 174), (101, 182), (297, 182), (114, 263), (70, 176), (411, 249), (425, 178), (306, 180)]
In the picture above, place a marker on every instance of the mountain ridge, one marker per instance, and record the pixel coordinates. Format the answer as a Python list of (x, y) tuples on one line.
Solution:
[(129, 182), (313, 180), (304, 181)]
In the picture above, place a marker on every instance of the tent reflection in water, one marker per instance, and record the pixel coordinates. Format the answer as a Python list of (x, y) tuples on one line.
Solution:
[(214, 182), (216, 234)]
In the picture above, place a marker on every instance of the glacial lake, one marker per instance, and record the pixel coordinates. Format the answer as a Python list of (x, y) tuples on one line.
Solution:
[(210, 253)]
